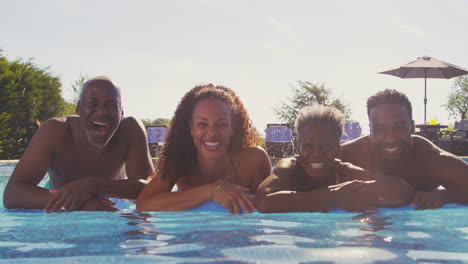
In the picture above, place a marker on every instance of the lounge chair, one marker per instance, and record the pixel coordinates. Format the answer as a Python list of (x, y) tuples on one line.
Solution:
[(156, 138), (351, 131), (456, 141)]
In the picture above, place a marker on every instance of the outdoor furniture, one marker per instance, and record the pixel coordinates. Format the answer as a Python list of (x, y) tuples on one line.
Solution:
[(156, 138), (351, 131), (431, 132), (456, 141), (279, 142)]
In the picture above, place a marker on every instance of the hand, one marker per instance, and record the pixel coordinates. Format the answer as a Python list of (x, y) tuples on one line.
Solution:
[(352, 196), (429, 200), (71, 196), (233, 197), (98, 204)]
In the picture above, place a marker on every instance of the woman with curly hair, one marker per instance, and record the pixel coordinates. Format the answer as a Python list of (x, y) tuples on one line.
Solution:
[(211, 153)]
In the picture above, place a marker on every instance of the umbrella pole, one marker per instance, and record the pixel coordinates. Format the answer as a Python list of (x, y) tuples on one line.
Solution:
[(425, 96), (425, 100)]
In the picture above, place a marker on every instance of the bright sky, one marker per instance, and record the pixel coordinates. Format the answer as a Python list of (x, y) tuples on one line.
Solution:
[(158, 50)]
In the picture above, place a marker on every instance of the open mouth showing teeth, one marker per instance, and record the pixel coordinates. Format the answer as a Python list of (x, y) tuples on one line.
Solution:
[(391, 149), (211, 144), (316, 165), (100, 128)]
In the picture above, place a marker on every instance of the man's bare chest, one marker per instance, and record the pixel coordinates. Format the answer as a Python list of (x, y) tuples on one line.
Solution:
[(74, 164)]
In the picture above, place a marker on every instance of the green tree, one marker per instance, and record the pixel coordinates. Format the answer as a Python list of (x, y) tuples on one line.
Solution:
[(457, 103), (156, 122), (28, 93), (70, 107), (76, 87), (308, 93)]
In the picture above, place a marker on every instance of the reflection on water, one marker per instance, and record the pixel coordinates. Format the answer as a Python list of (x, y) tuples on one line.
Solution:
[(389, 236), (393, 236)]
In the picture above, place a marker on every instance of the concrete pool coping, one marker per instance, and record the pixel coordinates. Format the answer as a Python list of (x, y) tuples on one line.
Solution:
[(8, 162)]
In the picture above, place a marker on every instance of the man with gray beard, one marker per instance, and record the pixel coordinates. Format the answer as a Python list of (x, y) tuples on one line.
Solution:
[(97, 153)]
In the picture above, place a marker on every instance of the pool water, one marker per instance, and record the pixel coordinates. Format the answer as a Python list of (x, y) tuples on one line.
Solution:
[(389, 236)]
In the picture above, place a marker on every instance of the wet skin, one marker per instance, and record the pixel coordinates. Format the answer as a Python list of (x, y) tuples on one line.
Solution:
[(100, 113), (211, 129), (310, 182), (226, 178), (391, 149), (318, 149), (390, 135), (96, 153)]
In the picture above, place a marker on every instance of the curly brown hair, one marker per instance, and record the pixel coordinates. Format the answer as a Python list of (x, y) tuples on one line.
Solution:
[(179, 153)]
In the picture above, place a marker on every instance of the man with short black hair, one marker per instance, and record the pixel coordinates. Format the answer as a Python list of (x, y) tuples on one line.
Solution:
[(391, 149)]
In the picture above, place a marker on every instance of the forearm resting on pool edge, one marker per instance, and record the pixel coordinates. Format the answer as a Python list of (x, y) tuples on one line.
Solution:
[(292, 201), (441, 196), (150, 200), (126, 189), (18, 195)]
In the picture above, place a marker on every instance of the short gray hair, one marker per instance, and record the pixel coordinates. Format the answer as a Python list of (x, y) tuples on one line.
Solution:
[(101, 81), (321, 115)]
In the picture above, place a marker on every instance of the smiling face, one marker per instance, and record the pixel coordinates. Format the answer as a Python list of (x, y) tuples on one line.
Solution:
[(211, 128), (100, 113), (390, 134), (318, 148)]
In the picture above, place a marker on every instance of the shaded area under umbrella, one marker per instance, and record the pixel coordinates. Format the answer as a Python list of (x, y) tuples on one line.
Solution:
[(426, 67)]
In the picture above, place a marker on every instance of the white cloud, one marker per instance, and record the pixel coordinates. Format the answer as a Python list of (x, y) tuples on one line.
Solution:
[(411, 30), (281, 27)]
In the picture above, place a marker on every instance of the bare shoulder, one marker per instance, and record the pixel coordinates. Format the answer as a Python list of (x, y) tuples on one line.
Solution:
[(443, 167), (347, 166), (357, 151), (252, 154), (57, 127), (281, 177), (253, 158), (348, 172), (59, 122), (286, 163), (432, 154), (357, 143), (52, 135), (131, 129), (285, 169), (130, 123)]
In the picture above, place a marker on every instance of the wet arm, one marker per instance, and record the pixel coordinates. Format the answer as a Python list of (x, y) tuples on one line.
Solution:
[(276, 194), (388, 191), (157, 196), (22, 190), (381, 190), (452, 173), (263, 165), (292, 201), (138, 165), (456, 196)]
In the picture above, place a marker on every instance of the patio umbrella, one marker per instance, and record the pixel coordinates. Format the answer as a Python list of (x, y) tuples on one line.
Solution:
[(426, 67)]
